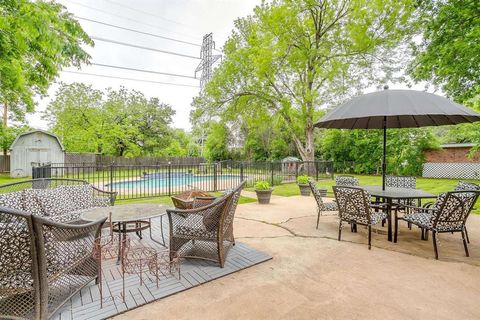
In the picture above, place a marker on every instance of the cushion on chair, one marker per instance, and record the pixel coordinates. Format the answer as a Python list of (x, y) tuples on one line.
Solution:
[(32, 204), (421, 219), (101, 202), (329, 206), (80, 195), (376, 217), (12, 200), (55, 201), (195, 232)]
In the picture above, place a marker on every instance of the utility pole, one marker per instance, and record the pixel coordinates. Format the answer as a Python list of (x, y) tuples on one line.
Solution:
[(208, 59)]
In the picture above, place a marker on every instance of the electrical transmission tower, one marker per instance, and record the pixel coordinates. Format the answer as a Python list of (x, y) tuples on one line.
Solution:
[(208, 59)]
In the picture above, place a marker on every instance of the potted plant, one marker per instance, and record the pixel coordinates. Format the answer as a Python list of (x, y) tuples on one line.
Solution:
[(302, 182), (264, 191)]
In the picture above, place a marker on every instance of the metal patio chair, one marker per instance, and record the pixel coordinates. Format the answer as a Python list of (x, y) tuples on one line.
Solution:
[(349, 181), (354, 207), (321, 206), (448, 214)]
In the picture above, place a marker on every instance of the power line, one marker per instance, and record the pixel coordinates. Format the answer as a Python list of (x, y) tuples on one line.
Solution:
[(130, 79), (143, 70), (143, 47), (149, 13), (138, 31), (126, 18)]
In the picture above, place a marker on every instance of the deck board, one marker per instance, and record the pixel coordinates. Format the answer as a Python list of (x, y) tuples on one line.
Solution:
[(86, 303)]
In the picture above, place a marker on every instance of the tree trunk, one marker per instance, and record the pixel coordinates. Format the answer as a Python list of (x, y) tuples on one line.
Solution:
[(5, 117), (307, 151)]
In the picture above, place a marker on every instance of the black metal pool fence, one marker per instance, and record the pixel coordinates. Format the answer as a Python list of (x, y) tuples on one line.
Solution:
[(143, 181)]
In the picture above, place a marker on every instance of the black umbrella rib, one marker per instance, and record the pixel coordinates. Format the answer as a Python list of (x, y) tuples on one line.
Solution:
[(416, 122), (433, 120)]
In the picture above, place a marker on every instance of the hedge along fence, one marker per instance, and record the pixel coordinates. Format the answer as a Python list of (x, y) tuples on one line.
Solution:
[(142, 181), (78, 159)]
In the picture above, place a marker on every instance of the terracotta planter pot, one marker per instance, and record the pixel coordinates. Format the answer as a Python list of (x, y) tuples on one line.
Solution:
[(304, 189), (264, 196)]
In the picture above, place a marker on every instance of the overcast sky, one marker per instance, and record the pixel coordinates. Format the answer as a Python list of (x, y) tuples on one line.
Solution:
[(185, 20)]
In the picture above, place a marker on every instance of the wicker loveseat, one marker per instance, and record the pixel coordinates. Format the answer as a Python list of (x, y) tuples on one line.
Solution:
[(60, 200), (43, 262)]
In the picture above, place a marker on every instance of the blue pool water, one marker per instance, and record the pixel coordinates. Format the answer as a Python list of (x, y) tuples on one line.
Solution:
[(158, 180)]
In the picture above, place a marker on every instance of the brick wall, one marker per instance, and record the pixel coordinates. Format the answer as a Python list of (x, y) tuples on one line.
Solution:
[(451, 155)]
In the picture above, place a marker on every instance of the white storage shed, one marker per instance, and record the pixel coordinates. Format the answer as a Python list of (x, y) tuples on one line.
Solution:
[(34, 147)]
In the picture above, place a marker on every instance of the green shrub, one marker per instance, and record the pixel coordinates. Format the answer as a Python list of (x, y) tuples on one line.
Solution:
[(303, 179), (277, 180), (262, 185)]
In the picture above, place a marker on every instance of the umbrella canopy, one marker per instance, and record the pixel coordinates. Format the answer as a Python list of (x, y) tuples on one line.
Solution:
[(396, 109), (400, 109)]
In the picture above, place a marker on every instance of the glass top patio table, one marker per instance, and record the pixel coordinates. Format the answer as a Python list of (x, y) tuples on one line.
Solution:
[(398, 193), (391, 193), (126, 213)]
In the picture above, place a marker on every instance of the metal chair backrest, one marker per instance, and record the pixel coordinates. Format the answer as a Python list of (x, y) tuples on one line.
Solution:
[(467, 186), (353, 204), (349, 181), (401, 182), (452, 210), (316, 193)]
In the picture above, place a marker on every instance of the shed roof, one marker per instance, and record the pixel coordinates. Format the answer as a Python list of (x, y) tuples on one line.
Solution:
[(37, 131), (290, 159)]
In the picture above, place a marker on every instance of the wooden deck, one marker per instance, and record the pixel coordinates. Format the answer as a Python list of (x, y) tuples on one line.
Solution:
[(86, 303)]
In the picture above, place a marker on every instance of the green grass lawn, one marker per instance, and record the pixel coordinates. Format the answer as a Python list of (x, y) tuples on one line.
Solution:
[(167, 201), (428, 184)]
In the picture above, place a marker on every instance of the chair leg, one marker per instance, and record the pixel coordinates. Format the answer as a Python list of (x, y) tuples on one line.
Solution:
[(369, 237), (395, 233), (426, 234), (340, 230), (318, 216), (465, 243), (466, 234), (434, 239)]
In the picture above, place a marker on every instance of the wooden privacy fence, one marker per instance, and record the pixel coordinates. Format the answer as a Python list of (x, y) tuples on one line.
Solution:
[(5, 163), (141, 181)]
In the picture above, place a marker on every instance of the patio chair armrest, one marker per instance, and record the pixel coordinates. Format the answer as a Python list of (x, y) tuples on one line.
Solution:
[(202, 201), (105, 193), (378, 205), (418, 209)]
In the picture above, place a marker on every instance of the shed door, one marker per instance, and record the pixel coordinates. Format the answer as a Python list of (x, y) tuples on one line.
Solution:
[(38, 155)]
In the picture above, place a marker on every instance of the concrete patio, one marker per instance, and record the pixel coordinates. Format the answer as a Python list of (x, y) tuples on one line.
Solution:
[(314, 276)]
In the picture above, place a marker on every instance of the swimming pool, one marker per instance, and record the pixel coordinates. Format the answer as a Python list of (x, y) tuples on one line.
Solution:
[(161, 179)]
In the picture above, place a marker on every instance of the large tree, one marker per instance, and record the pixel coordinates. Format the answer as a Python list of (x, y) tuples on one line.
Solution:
[(449, 53), (119, 122), (292, 58), (37, 39)]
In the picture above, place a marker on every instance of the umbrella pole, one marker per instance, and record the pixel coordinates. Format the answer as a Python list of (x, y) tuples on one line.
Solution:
[(384, 162)]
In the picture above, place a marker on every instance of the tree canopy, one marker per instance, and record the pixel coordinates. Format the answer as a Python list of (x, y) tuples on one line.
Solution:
[(291, 59), (449, 54), (116, 122), (37, 39)]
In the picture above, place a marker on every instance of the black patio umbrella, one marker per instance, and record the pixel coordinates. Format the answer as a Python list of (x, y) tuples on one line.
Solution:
[(396, 109)]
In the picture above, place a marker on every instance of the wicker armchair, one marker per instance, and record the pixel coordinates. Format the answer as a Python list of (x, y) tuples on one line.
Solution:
[(448, 214), (354, 207), (43, 263), (205, 232), (321, 206), (348, 181)]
